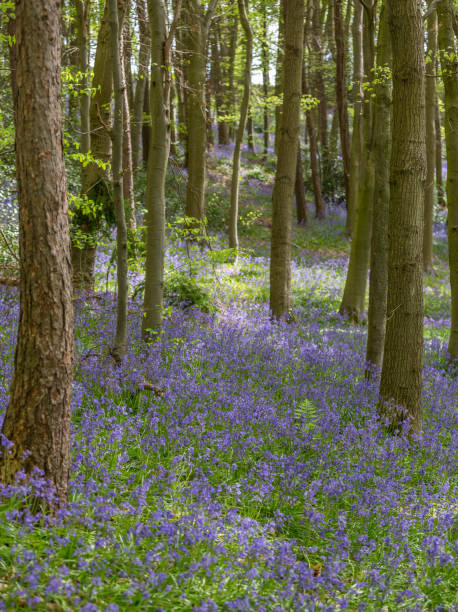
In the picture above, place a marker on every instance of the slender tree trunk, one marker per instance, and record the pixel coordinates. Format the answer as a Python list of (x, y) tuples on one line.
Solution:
[(320, 208), (82, 8), (95, 179), (233, 37), (265, 82), (449, 65), (299, 191), (219, 52), (430, 103), (244, 107), (354, 295), (318, 82), (378, 279), (250, 129), (439, 181), (279, 70), (280, 260), (120, 340), (140, 84), (37, 419), (356, 157), (401, 380), (195, 114), (157, 166), (146, 127), (127, 173), (341, 96)]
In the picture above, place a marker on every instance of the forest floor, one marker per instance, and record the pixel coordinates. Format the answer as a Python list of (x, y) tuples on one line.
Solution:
[(238, 464)]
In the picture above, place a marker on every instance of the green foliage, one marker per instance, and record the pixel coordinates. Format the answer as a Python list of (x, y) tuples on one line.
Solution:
[(185, 291)]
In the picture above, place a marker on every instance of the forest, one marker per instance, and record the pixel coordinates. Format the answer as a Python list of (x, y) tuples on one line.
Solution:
[(228, 305)]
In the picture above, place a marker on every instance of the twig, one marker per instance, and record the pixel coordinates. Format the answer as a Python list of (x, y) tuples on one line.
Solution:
[(7, 244)]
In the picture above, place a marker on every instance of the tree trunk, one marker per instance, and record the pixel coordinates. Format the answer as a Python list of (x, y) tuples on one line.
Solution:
[(219, 52), (244, 106), (430, 103), (127, 174), (318, 82), (280, 260), (37, 418), (401, 380), (195, 115), (299, 191), (320, 209), (341, 95), (82, 8), (356, 156), (353, 299), (279, 80), (120, 340), (146, 127), (140, 85), (449, 65), (95, 179), (157, 167), (439, 181), (250, 129), (378, 279), (265, 82)]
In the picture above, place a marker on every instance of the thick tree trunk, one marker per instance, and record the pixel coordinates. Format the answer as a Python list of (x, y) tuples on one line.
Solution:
[(449, 65), (430, 103), (140, 84), (401, 381), (37, 419), (280, 260), (379, 246), (244, 107), (157, 167), (120, 340)]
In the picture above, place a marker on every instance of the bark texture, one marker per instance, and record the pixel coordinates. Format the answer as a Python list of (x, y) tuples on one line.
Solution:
[(280, 260), (381, 147), (401, 380), (37, 419), (244, 109), (157, 166), (449, 69), (120, 340)]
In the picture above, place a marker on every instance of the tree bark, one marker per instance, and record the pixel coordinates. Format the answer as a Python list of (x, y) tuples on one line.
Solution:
[(140, 84), (244, 107), (430, 103), (356, 156), (37, 418), (120, 340), (195, 113), (378, 279), (157, 167), (280, 260), (299, 191), (449, 66), (341, 95), (265, 82), (401, 380), (127, 172)]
